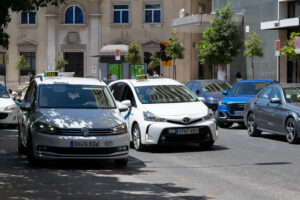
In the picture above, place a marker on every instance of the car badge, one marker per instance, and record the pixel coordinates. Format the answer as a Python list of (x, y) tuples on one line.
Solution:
[(85, 132), (186, 120)]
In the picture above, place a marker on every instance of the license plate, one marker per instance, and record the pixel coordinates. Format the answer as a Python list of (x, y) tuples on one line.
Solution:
[(85, 143), (187, 131), (239, 113)]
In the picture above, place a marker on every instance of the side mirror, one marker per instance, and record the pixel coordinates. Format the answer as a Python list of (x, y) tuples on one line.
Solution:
[(127, 103), (275, 100), (25, 106), (225, 92), (198, 92), (202, 99)]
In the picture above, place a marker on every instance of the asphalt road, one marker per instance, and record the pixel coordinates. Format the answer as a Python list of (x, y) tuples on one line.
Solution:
[(238, 167)]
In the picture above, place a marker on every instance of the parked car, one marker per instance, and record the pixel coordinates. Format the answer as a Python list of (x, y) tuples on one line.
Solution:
[(275, 109), (163, 111), (231, 107), (71, 118), (8, 108), (211, 90)]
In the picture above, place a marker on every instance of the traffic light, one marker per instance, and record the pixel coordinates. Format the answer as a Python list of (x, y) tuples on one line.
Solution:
[(165, 60)]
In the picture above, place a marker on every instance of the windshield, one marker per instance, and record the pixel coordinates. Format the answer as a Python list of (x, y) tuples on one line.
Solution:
[(247, 88), (215, 86), (292, 94), (75, 96), (164, 94), (3, 92)]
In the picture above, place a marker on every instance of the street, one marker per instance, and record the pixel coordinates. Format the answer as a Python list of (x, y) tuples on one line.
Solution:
[(238, 167)]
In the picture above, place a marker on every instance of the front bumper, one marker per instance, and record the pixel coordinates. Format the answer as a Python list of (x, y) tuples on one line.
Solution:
[(223, 116), (9, 117), (62, 147), (165, 133)]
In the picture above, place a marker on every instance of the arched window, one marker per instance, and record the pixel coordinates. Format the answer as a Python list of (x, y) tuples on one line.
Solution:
[(74, 15)]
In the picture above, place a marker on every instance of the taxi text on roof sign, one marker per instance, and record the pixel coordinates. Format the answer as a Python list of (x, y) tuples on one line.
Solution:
[(50, 74), (141, 77)]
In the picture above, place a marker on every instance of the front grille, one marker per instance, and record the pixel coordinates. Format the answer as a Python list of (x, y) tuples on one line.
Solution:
[(235, 107), (204, 134), (182, 123), (92, 151), (79, 132), (3, 115)]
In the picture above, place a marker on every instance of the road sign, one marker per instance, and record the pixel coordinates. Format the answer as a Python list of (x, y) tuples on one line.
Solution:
[(117, 54), (277, 48)]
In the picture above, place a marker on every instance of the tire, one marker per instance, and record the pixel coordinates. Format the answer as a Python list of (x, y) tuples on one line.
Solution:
[(136, 138), (21, 148), (225, 124), (252, 127), (290, 131), (207, 145), (30, 155), (121, 162)]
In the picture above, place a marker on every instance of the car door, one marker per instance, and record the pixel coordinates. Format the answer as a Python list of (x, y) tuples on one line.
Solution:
[(261, 105), (276, 112)]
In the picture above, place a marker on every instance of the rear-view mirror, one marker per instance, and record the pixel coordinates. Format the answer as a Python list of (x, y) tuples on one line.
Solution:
[(275, 100)]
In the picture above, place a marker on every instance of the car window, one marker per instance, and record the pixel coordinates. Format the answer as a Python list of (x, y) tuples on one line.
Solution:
[(276, 93), (117, 91), (128, 95), (75, 96), (3, 92), (292, 94), (164, 94), (215, 86), (266, 93)]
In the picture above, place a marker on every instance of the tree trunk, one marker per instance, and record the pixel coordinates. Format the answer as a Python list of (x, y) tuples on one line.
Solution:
[(252, 65), (174, 69), (294, 72)]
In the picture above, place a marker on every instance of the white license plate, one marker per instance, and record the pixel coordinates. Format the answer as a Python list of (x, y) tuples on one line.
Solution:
[(187, 131), (85, 143), (239, 113)]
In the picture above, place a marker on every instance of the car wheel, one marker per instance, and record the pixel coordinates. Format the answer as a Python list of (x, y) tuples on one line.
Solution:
[(224, 124), (251, 126), (136, 137), (21, 148), (291, 132), (30, 157), (121, 162), (207, 145)]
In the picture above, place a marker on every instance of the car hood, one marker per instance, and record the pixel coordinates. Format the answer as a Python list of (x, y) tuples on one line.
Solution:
[(215, 95), (80, 118), (4, 102), (192, 109), (237, 98)]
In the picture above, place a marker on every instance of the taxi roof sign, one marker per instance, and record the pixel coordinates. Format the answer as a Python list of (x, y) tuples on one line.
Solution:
[(141, 77), (50, 74)]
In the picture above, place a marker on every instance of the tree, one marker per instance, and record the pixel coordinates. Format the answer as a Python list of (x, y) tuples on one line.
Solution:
[(60, 64), (253, 49), (174, 50), (16, 6), (154, 61), (21, 64), (221, 42), (288, 51), (133, 55)]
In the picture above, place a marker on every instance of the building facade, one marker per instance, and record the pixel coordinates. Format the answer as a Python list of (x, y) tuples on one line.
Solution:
[(86, 33)]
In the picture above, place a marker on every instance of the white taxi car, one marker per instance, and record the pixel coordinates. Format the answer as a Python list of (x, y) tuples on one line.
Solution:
[(163, 111), (8, 108), (71, 118)]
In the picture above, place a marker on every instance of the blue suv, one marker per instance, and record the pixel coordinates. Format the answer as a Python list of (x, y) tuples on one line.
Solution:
[(231, 107)]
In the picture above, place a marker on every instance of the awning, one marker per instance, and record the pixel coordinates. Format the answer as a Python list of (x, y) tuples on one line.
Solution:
[(280, 24), (109, 50)]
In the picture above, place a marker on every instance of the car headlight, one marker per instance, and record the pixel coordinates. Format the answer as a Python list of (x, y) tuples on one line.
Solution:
[(46, 128), (213, 100), (148, 116), (209, 115), (11, 107), (222, 103), (120, 129)]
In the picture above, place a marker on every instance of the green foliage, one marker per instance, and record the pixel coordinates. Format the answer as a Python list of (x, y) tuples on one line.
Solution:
[(154, 61), (16, 6), (222, 42), (288, 51), (21, 63), (252, 46), (133, 55), (60, 64), (174, 49)]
